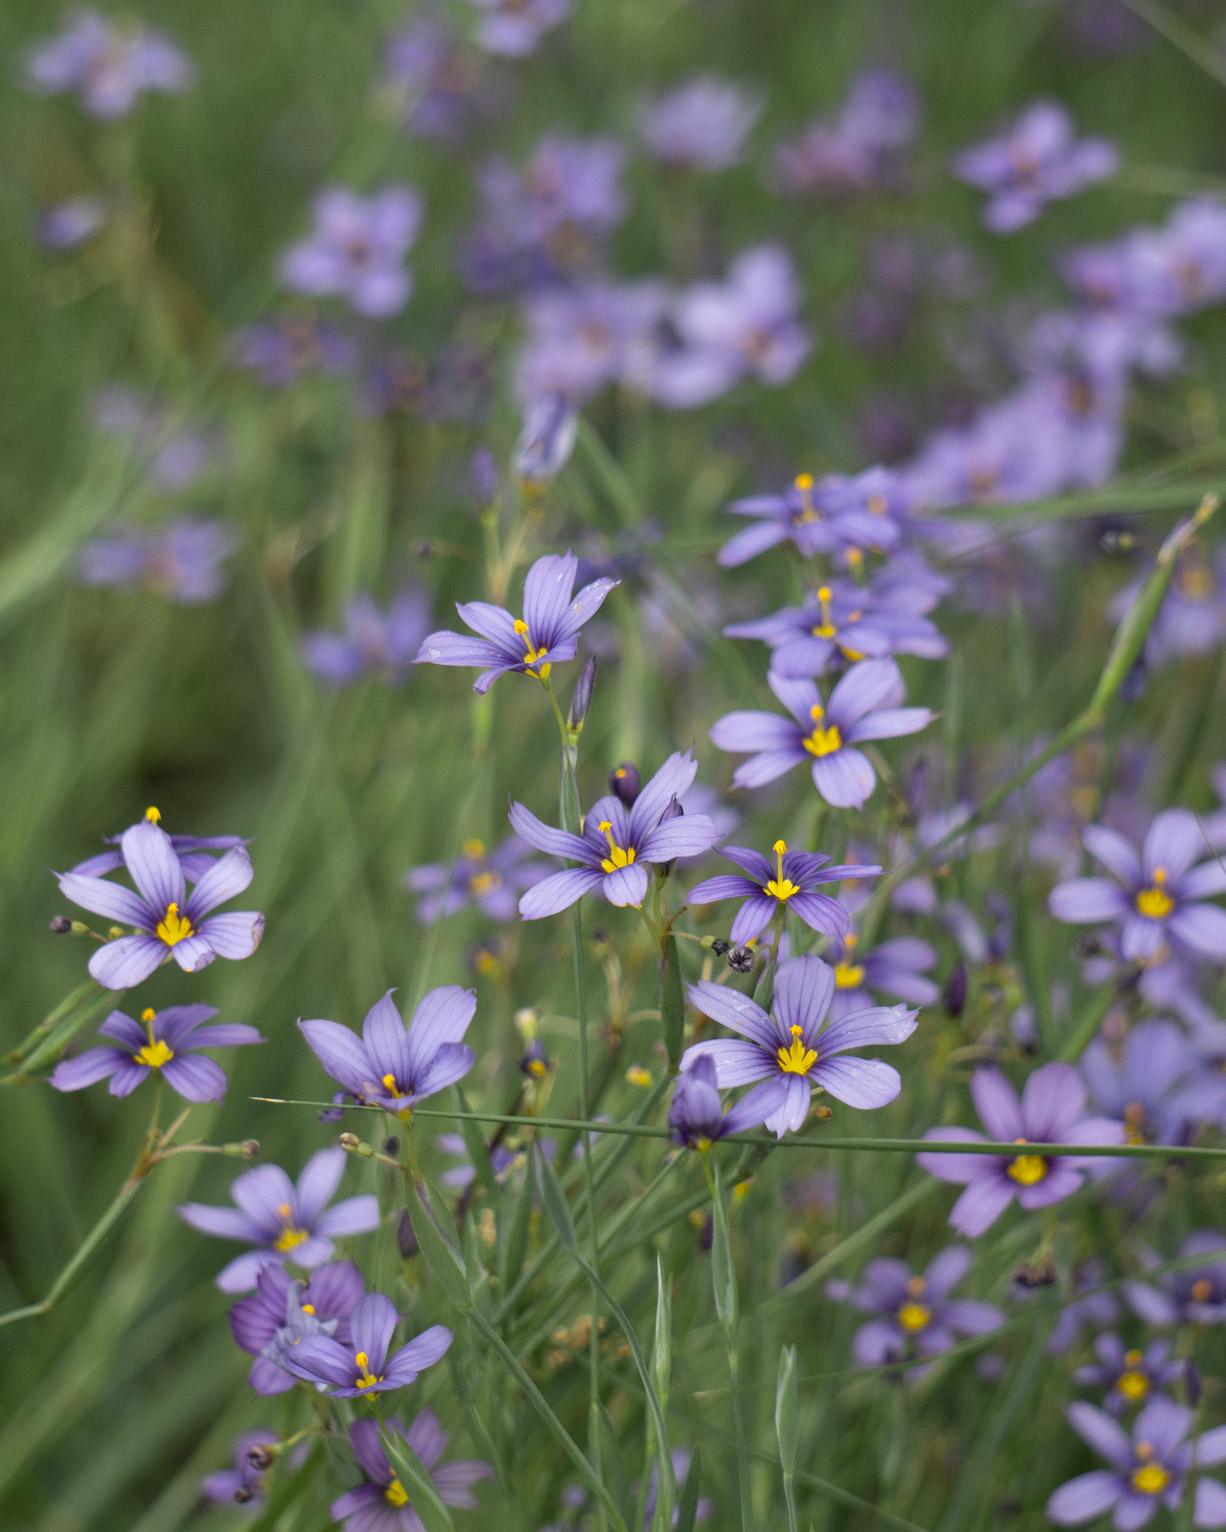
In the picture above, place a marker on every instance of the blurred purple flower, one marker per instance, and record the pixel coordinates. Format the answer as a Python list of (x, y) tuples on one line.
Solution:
[(896, 967), (1038, 160), (616, 846), (394, 1066), (162, 1040), (544, 637), (184, 561), (545, 442), (107, 67), (513, 28), (915, 1315), (1147, 1468), (696, 1117), (1129, 1377), (700, 125), (816, 518), (1156, 897), (382, 1503), (1143, 1081), (862, 149), (373, 644), (790, 884), (579, 339), (67, 224), (287, 348), (1049, 1113), (1094, 1310), (356, 250), (785, 1055), (281, 1312), (362, 1366), (1195, 1296), (863, 706), (492, 880), (285, 1222), (439, 82), (244, 1483), (169, 921)]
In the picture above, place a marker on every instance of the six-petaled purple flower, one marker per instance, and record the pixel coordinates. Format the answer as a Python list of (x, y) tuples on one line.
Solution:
[(366, 1365), (382, 1504), (492, 880), (357, 249), (167, 1041), (282, 1311), (1128, 1377), (789, 883)]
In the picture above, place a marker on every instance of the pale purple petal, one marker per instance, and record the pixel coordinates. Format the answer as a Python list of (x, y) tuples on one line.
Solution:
[(192, 953), (864, 1029), (1202, 927), (558, 892), (860, 1083), (753, 731), (234, 935), (545, 838), (1210, 1504), (767, 767), (752, 918), (957, 1168), (341, 1053), (225, 1223), (845, 778), (450, 1063), (1116, 853), (981, 1204), (129, 961), (789, 1116), (1099, 1431), (1084, 901), (732, 1009), (736, 1062), (384, 1038), (623, 886), (371, 1326), (150, 858), (687, 835), (1173, 843), (421, 1352), (442, 1016), (672, 780), (803, 988), (889, 723), (1061, 1181), (997, 1104), (101, 897), (87, 1068), (1052, 1098), (454, 1481), (317, 1183), (946, 1269), (195, 1078), (1084, 1498), (427, 1437), (867, 686), (225, 879)]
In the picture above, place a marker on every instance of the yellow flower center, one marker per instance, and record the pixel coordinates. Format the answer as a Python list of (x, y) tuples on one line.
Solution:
[(173, 927), (365, 1379), (780, 887), (618, 856), (848, 975), (154, 1054), (913, 1316), (796, 1059), (825, 628), (822, 741), (808, 512), (1154, 902), (1028, 1169), (483, 882), (389, 1084), (1151, 1479), (153, 815), (473, 849), (1133, 1384), (532, 657), (396, 1494), (291, 1237)]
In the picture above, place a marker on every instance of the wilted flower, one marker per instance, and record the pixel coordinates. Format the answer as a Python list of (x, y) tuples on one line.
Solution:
[(915, 1315), (863, 706), (532, 645), (1037, 161), (182, 561), (1154, 897), (382, 1504), (393, 1066), (287, 1223), (701, 125), (1129, 1377), (357, 248), (1196, 1296), (281, 1312), (513, 28), (107, 67), (791, 883), (492, 880), (163, 1040), (169, 921), (791, 1052), (373, 643), (1049, 1113), (362, 1366), (617, 845), (1147, 1469), (244, 1483)]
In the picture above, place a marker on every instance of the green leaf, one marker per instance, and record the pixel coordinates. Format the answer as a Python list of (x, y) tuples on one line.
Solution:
[(556, 1204), (672, 1004), (662, 1346), (687, 1506), (723, 1268), (786, 1417), (478, 1149), (438, 1249), (416, 1482), (521, 1222)]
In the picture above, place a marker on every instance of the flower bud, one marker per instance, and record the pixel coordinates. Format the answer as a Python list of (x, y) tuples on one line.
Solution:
[(483, 473), (581, 699), (546, 441), (391, 1146), (535, 1062), (61, 925), (955, 990), (352, 1144), (673, 811), (406, 1240), (261, 1456), (740, 959), (624, 783)]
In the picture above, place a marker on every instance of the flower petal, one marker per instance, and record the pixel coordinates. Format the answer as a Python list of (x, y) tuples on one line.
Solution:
[(127, 962), (1084, 1498), (558, 892), (151, 859), (862, 1083), (225, 879), (102, 897), (865, 1029), (234, 935), (845, 778), (736, 1062), (625, 885), (732, 1009)]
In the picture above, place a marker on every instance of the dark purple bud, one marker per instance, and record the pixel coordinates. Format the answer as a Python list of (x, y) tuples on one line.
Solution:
[(624, 782), (406, 1240), (720, 947), (484, 473), (61, 925), (673, 811), (261, 1457), (955, 990), (1039, 1274), (581, 699), (391, 1146), (1192, 1386), (741, 959)]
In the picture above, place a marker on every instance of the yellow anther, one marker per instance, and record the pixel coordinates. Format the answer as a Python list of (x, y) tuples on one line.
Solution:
[(796, 1059), (1132, 1384), (780, 887), (637, 1075), (284, 1210), (823, 741), (308, 1308), (291, 1238), (877, 505), (803, 481), (855, 557), (913, 1316), (848, 975), (620, 772), (364, 1379), (520, 626), (851, 939), (483, 882), (389, 1084), (916, 1286), (1154, 902), (473, 849), (153, 815), (825, 628), (618, 856), (154, 1054), (396, 1494), (173, 927), (1028, 1169), (1151, 1479), (147, 1015)]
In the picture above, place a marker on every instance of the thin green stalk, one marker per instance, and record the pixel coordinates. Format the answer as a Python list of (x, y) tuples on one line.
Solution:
[(1180, 35)]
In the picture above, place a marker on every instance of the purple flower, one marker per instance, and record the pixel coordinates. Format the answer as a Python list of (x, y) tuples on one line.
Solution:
[(546, 440), (1196, 1296), (578, 339), (513, 28), (357, 248), (896, 967), (701, 125), (815, 517), (243, 1483), (493, 880), (862, 149), (696, 1117), (531, 645), (373, 644), (1143, 1082), (914, 1315), (281, 1312), (393, 1066), (617, 844), (161, 1040), (108, 68), (1147, 1468), (1155, 897), (439, 81), (362, 1366), (839, 621), (1038, 160), (863, 706), (744, 326), (1128, 1376), (1049, 1113), (382, 1503), (785, 1055), (286, 1222), (789, 884), (287, 348), (71, 222), (182, 561), (169, 921)]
